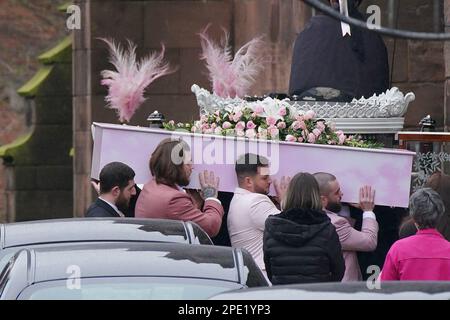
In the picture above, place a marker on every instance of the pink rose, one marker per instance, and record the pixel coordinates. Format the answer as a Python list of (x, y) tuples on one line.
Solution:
[(237, 116), (208, 131), (258, 109), (282, 112), (250, 133), (295, 125), (240, 133), (302, 125), (320, 125), (339, 132), (240, 125), (291, 138), (254, 115), (300, 118), (310, 114), (300, 139), (317, 132), (251, 125), (281, 125), (311, 138), (217, 113), (273, 131), (204, 118), (271, 121), (213, 126), (226, 125), (341, 139)]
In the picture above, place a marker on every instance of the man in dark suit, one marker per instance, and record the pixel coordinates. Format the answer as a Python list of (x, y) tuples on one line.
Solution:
[(117, 187)]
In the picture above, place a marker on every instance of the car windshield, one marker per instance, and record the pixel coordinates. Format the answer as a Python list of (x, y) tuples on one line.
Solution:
[(124, 288)]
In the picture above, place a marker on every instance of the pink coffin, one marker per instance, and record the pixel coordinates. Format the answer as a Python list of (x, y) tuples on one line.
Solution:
[(387, 170)]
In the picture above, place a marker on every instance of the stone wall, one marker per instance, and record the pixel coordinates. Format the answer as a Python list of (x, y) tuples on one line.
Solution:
[(38, 166), (447, 66), (27, 28), (417, 66)]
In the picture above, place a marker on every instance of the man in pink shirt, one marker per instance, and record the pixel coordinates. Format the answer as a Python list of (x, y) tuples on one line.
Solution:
[(425, 255)]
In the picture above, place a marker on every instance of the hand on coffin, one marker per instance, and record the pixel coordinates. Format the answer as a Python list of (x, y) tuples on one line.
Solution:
[(366, 198), (209, 184), (281, 187), (96, 185)]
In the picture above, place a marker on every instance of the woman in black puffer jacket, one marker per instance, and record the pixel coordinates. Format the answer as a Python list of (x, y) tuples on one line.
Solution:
[(300, 244)]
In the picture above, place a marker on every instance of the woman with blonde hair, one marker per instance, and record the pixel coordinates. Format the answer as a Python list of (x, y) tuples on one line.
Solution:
[(300, 244)]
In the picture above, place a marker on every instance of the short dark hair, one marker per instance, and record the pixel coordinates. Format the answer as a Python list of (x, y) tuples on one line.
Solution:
[(248, 164), (165, 169), (115, 174), (324, 179)]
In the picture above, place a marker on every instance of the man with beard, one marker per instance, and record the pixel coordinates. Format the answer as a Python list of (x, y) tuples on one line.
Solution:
[(163, 197), (117, 186), (351, 239), (251, 206)]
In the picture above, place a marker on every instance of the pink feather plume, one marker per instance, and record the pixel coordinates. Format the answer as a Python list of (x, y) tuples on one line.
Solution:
[(231, 77), (126, 86)]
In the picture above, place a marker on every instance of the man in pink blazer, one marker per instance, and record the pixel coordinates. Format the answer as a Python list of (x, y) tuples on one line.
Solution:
[(351, 239), (163, 197)]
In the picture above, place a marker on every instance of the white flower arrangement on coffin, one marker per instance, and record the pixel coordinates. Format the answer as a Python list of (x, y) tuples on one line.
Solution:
[(269, 119)]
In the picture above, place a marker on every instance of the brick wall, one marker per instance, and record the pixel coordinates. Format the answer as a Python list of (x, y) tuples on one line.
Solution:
[(417, 66)]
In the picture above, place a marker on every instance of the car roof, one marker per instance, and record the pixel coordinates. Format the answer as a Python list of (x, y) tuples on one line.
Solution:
[(133, 260), (389, 290), (100, 229)]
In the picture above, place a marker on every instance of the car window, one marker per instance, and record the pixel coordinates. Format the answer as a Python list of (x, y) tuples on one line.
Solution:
[(124, 288), (5, 271), (253, 276)]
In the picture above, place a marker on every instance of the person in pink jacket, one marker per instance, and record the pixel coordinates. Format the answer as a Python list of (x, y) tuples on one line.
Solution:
[(163, 196), (351, 239), (425, 255)]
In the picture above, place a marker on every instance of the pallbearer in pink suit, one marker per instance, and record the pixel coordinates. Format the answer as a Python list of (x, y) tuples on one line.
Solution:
[(162, 197)]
